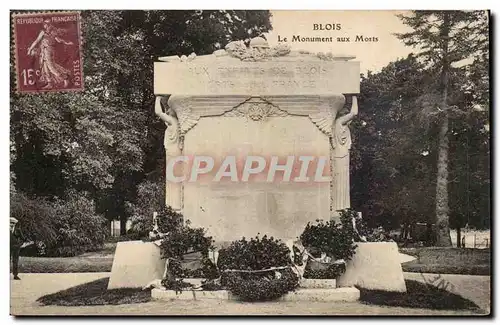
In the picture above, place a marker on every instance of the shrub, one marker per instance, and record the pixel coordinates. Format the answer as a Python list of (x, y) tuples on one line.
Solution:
[(185, 239), (35, 216), (336, 240), (207, 269), (262, 287), (181, 240), (254, 254), (168, 220), (62, 227), (257, 254), (330, 272), (79, 228), (150, 198)]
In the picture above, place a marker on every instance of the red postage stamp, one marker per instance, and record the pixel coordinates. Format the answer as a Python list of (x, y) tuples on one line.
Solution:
[(48, 51)]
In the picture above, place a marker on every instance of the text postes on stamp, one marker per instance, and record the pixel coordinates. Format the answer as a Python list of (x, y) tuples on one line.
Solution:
[(48, 51)]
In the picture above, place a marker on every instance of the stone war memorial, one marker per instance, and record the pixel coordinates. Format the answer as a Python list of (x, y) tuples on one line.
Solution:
[(268, 104), (257, 141)]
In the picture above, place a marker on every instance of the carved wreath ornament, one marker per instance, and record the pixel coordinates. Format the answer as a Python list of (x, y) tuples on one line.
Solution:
[(256, 111)]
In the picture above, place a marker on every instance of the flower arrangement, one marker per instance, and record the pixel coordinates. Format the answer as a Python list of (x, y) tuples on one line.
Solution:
[(258, 269)]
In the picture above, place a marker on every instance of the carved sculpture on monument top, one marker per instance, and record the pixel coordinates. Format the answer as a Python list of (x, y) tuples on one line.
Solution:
[(258, 50)]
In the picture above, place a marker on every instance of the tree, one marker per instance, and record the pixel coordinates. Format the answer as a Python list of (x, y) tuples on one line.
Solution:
[(394, 161), (392, 181), (145, 36), (445, 38), (106, 140)]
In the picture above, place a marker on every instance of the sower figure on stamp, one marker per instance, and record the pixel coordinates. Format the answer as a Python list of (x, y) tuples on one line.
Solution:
[(341, 142), (51, 72), (172, 149)]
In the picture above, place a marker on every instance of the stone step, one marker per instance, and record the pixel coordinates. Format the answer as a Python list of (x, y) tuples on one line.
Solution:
[(304, 283), (301, 294), (162, 294), (318, 283), (337, 294)]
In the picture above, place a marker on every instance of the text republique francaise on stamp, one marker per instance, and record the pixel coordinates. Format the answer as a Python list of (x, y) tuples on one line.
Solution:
[(48, 53)]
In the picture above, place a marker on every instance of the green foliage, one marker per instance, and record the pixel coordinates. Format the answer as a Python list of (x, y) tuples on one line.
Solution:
[(79, 228), (182, 239), (332, 271), (206, 270), (63, 227), (150, 198), (254, 254), (185, 239), (35, 216), (257, 254), (394, 166), (106, 140), (334, 239), (262, 287), (462, 34), (445, 38)]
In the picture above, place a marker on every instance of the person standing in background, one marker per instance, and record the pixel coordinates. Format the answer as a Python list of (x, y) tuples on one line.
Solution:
[(16, 243)]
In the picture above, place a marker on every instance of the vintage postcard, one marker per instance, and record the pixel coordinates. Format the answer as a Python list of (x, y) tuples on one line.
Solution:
[(250, 162)]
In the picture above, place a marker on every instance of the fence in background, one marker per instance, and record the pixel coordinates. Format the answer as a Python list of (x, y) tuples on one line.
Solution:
[(472, 239)]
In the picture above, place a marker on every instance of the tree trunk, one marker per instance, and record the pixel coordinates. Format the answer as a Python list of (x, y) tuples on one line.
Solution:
[(442, 208), (459, 237)]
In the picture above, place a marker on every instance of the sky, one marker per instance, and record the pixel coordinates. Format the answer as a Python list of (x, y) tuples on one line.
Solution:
[(372, 55)]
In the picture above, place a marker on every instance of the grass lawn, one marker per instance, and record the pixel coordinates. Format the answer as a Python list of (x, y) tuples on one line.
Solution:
[(419, 295), (100, 261), (77, 264), (416, 267), (448, 260), (95, 293), (428, 261)]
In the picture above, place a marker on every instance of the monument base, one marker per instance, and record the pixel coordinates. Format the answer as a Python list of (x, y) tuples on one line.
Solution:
[(374, 266), (135, 264), (302, 294), (309, 290)]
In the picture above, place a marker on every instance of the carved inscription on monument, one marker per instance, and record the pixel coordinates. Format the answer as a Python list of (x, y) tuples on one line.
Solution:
[(263, 78)]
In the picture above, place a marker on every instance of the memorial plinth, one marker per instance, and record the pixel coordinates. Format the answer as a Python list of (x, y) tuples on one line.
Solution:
[(257, 102), (374, 266), (135, 264)]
